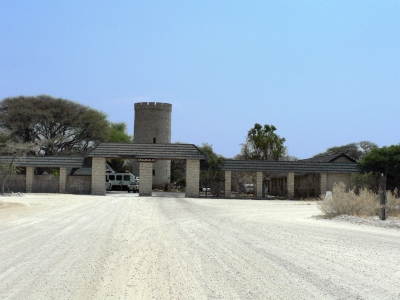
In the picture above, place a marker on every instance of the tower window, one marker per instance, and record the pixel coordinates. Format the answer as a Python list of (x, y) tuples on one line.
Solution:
[(154, 140), (154, 172)]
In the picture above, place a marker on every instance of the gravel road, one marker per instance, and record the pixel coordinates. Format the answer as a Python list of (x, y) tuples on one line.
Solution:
[(122, 246)]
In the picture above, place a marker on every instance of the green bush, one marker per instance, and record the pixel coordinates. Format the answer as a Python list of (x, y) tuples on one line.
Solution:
[(368, 181)]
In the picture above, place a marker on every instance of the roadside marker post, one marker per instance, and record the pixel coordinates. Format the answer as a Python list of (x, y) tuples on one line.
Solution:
[(383, 211)]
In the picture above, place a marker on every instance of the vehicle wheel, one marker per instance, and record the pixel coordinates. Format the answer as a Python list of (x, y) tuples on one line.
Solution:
[(129, 191)]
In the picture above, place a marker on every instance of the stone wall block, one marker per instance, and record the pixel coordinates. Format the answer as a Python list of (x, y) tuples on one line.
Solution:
[(259, 186), (323, 181), (98, 176), (146, 178), (333, 178), (192, 178), (290, 185)]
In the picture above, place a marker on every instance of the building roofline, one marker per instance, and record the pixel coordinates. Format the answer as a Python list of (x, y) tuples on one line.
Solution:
[(289, 166)]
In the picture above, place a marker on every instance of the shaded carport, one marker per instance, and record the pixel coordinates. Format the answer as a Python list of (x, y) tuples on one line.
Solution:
[(289, 167), (146, 155)]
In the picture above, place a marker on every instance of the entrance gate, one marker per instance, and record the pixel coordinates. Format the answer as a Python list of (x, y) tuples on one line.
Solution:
[(146, 155)]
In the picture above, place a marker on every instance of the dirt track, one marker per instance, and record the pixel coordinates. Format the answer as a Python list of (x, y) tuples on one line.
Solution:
[(128, 247)]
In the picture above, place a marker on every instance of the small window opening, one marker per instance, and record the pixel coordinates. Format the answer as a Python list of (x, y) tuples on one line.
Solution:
[(154, 140), (154, 172)]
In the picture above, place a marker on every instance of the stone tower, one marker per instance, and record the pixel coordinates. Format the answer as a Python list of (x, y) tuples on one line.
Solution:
[(153, 125)]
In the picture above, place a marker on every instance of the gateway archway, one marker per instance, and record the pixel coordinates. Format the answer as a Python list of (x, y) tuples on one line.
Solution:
[(333, 169), (146, 155)]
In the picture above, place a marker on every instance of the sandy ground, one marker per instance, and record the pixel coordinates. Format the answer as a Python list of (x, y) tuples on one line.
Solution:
[(126, 247)]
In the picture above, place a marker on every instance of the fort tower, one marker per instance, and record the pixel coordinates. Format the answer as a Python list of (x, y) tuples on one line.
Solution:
[(153, 125)]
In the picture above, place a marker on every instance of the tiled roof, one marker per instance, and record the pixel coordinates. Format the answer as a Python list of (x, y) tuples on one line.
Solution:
[(157, 151), (330, 157), (289, 166), (45, 161), (87, 168)]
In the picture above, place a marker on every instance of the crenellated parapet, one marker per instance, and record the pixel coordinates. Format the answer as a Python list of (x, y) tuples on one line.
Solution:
[(153, 105)]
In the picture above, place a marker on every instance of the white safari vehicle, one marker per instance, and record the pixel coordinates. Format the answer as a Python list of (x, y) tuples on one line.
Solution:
[(120, 181), (133, 186)]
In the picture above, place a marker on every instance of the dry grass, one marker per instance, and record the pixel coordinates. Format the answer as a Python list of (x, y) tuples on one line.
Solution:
[(393, 203), (365, 203)]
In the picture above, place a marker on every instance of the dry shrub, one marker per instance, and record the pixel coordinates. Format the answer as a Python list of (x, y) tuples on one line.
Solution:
[(343, 202), (393, 203)]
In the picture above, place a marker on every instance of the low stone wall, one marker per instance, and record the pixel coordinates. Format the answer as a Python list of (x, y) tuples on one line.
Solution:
[(45, 184), (311, 185), (79, 185), (49, 184), (336, 178), (15, 184)]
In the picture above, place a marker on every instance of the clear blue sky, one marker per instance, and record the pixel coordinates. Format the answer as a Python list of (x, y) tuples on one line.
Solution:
[(325, 73)]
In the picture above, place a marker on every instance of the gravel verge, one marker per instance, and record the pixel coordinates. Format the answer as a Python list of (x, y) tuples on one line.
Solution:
[(122, 246)]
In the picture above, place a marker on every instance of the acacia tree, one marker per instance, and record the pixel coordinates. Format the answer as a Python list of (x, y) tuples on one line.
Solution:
[(57, 126), (262, 143), (14, 150), (355, 150), (119, 133)]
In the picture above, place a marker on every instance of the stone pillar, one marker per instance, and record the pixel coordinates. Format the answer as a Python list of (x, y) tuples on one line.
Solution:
[(146, 178), (192, 178), (259, 186), (228, 183), (290, 185), (29, 179), (323, 181), (98, 176), (63, 180)]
